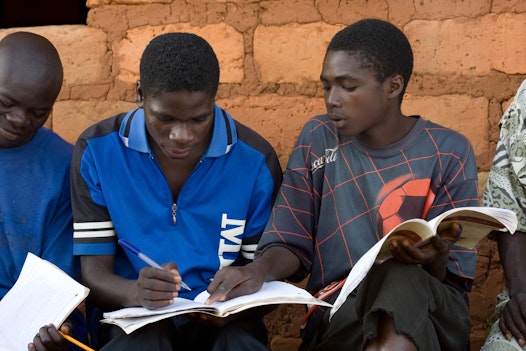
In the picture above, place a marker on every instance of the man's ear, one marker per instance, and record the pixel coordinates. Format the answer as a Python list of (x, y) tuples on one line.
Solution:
[(139, 94), (396, 85)]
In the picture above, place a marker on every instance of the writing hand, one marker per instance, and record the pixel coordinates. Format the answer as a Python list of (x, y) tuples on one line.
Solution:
[(156, 287), (49, 339), (512, 319), (230, 282)]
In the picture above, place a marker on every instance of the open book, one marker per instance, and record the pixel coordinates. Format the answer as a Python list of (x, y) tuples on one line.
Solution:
[(42, 294), (274, 292), (476, 222)]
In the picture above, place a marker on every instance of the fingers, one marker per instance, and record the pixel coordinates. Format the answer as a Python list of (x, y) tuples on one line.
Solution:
[(232, 282), (452, 234), (157, 287), (403, 250), (512, 322), (48, 338), (221, 288)]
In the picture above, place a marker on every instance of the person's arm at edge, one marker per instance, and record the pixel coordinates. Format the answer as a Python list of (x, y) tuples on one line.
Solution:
[(512, 249)]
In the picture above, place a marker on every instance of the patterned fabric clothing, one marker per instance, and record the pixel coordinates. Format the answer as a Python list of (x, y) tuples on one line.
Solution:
[(496, 340), (506, 188), (339, 196)]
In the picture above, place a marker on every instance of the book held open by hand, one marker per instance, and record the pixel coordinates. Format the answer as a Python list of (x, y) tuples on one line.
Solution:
[(271, 293), (42, 294), (476, 222)]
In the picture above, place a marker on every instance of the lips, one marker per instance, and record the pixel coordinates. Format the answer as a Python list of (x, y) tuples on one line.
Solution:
[(11, 134), (177, 153), (337, 120), (335, 117)]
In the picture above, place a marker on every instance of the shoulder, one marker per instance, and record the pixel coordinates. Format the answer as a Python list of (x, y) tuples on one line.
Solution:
[(55, 145), (446, 138), (103, 127), (261, 146)]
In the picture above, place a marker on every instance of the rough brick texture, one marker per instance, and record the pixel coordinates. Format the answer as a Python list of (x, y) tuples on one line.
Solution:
[(469, 61)]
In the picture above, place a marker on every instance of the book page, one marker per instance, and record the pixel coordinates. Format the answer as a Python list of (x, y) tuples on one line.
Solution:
[(179, 305), (476, 222), (275, 292), (42, 294)]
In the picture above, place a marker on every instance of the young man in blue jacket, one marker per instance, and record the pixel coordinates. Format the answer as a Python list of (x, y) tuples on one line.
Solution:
[(186, 184)]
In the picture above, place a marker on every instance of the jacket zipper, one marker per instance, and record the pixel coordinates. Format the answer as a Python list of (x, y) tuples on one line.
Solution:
[(174, 213)]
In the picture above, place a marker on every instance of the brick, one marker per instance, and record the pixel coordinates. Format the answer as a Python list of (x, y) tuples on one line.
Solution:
[(487, 43), (244, 18), (440, 9), (111, 19), (153, 14), (283, 12), (291, 53), (502, 6), (347, 12)]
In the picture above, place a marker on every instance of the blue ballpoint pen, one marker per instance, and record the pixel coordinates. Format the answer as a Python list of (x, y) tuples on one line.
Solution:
[(145, 258)]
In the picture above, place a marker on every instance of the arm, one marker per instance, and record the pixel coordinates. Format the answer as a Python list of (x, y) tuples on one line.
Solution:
[(154, 288), (275, 263), (512, 249)]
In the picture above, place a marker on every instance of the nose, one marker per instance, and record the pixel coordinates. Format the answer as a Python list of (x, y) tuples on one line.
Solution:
[(331, 97), (17, 117), (181, 133)]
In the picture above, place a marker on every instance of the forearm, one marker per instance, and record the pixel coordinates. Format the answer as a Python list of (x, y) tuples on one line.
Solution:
[(438, 268), (512, 252), (108, 290), (277, 263)]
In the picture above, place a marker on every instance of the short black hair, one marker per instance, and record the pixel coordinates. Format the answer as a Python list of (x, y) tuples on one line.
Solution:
[(179, 61), (379, 45)]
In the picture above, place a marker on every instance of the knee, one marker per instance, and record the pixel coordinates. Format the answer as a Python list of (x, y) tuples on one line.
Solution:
[(387, 338)]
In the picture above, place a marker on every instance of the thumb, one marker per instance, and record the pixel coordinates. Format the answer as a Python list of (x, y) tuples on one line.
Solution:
[(66, 327), (449, 236)]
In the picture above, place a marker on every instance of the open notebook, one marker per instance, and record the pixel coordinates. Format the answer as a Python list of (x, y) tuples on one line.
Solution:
[(43, 294)]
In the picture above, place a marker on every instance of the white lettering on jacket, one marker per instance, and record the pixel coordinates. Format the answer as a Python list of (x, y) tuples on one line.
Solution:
[(230, 241), (329, 156)]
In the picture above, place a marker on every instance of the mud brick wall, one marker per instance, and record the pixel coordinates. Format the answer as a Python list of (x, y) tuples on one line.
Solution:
[(470, 57)]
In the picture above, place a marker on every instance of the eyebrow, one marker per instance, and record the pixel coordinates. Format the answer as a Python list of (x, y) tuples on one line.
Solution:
[(166, 115), (340, 78)]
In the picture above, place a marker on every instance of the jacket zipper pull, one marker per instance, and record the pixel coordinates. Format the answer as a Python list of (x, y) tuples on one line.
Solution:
[(174, 211)]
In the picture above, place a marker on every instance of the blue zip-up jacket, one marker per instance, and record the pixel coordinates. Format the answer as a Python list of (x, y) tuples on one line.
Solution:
[(120, 192)]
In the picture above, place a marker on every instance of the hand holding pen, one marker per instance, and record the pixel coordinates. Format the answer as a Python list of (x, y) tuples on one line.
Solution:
[(127, 245)]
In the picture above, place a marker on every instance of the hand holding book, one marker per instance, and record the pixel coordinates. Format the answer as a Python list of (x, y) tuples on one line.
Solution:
[(476, 222)]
